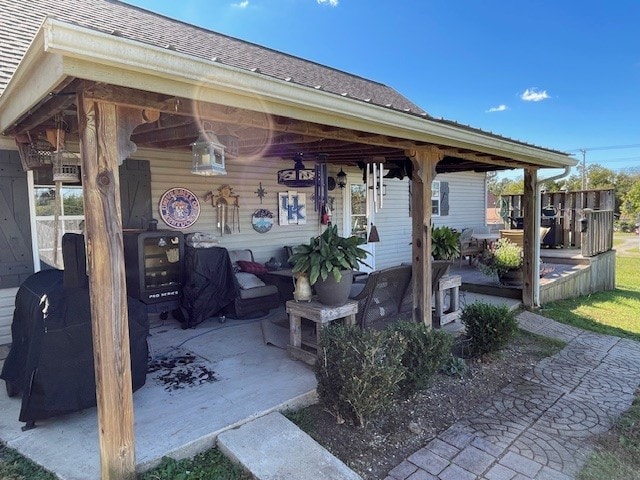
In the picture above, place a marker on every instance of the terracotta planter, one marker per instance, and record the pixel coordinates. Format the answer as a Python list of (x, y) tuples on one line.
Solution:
[(332, 293)]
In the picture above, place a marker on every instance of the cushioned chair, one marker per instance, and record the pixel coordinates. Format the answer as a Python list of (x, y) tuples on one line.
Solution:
[(254, 295)]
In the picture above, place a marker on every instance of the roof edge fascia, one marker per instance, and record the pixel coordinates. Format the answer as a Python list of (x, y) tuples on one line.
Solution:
[(36, 76), (187, 76)]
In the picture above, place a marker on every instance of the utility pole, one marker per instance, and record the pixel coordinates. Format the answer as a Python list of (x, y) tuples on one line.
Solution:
[(584, 168)]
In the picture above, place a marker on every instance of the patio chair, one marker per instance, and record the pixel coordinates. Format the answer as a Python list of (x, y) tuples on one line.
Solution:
[(382, 294), (469, 247)]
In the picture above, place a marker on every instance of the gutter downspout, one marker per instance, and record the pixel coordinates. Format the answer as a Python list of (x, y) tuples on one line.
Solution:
[(538, 208)]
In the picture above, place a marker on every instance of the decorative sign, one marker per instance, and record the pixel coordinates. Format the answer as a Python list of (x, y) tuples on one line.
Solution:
[(262, 220), (292, 208), (179, 207)]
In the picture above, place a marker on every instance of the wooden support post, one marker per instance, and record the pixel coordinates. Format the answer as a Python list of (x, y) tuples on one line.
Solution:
[(104, 130), (424, 170), (530, 235)]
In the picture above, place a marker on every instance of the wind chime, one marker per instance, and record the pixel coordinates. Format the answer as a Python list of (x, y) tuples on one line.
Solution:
[(227, 207), (321, 193), (374, 177)]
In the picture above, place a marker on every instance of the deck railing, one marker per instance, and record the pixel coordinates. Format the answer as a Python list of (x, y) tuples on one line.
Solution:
[(570, 208), (597, 232)]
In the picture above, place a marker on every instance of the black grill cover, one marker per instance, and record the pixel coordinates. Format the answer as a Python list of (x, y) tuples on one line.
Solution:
[(51, 356), (209, 283)]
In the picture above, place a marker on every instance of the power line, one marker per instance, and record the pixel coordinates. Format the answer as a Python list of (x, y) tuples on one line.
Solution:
[(611, 147)]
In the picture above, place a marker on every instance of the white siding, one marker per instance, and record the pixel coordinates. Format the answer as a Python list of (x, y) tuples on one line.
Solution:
[(244, 176), (7, 305), (466, 200), (466, 209), (394, 225)]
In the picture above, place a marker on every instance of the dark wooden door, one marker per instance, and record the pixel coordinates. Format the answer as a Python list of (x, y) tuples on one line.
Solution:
[(16, 259), (135, 194)]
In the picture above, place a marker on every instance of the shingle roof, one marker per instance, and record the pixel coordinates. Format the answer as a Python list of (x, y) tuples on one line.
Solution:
[(20, 20)]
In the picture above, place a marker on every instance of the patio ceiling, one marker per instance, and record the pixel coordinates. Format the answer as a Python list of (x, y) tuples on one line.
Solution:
[(260, 135)]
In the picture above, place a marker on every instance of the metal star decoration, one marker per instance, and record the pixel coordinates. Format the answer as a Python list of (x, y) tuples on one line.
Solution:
[(261, 192)]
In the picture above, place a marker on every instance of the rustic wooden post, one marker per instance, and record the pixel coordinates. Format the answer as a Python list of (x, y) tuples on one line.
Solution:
[(104, 130), (424, 170), (531, 236)]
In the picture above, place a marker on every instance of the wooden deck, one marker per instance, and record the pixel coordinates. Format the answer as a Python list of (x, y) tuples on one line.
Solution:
[(565, 274)]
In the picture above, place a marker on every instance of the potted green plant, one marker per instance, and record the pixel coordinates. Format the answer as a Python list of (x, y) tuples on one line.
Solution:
[(503, 259), (329, 261), (445, 243)]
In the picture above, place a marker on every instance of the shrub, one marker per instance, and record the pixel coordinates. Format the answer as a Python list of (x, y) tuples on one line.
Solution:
[(358, 371), (425, 353), (489, 327), (502, 257)]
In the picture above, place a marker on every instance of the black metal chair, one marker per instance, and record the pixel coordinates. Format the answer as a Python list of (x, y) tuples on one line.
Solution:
[(382, 295)]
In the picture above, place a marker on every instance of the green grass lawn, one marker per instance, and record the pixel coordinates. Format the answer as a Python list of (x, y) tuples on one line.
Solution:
[(614, 312), (617, 454)]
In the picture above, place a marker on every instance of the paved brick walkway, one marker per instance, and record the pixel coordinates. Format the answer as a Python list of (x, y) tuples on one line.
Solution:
[(544, 426)]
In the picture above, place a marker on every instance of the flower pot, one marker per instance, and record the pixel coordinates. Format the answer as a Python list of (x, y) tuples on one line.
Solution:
[(332, 293), (511, 277)]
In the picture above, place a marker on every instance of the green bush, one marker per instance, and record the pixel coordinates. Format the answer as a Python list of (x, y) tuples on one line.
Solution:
[(358, 371), (489, 327), (425, 353)]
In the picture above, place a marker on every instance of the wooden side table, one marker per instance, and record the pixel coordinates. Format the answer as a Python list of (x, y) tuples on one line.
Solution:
[(321, 315), (450, 284)]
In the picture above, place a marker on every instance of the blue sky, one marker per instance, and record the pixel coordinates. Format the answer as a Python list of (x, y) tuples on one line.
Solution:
[(556, 73)]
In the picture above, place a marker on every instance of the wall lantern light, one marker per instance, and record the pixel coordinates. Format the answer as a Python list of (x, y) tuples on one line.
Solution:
[(341, 179), (207, 154)]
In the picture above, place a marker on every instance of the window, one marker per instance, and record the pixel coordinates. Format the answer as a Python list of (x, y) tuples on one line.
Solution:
[(70, 215), (435, 198), (358, 212)]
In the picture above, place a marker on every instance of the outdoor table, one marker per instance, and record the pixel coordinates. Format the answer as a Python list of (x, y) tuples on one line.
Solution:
[(486, 238), (322, 315)]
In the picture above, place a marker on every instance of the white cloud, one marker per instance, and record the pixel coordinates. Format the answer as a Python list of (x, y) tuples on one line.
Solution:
[(499, 108), (533, 95), (242, 4), (333, 3)]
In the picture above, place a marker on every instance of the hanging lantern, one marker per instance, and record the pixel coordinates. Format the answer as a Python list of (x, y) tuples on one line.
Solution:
[(208, 155), (298, 176), (66, 167)]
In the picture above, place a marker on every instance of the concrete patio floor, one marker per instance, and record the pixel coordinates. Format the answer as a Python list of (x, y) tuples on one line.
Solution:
[(179, 419), (252, 379)]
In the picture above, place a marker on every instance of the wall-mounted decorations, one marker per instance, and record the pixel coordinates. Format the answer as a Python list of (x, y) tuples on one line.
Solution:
[(227, 208), (179, 207), (292, 208), (261, 192), (262, 220)]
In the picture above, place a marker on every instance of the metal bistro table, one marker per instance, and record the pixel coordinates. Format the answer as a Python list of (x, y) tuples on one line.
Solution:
[(322, 315)]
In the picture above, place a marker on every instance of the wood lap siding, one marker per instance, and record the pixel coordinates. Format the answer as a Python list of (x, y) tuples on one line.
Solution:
[(16, 259)]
